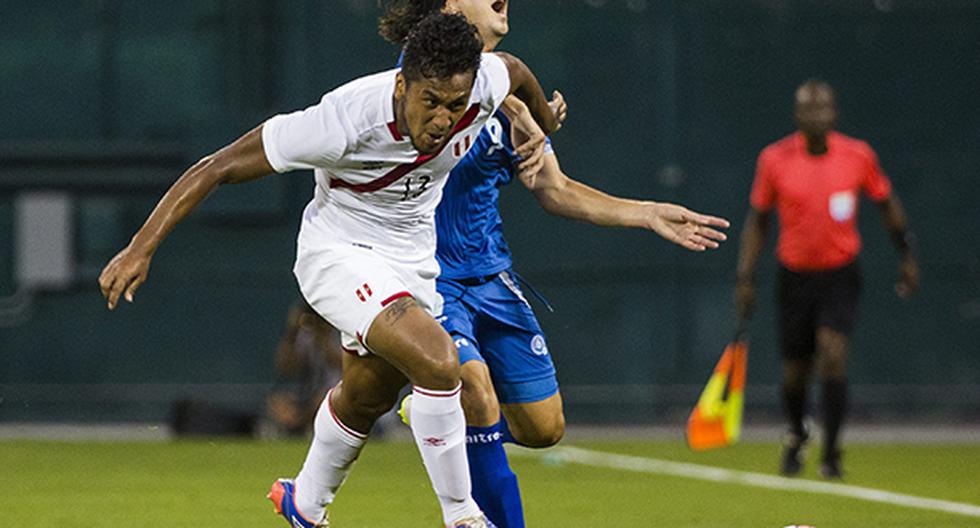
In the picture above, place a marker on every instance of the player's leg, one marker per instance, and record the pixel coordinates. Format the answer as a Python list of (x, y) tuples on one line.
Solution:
[(410, 339), (339, 282), (380, 304), (836, 319), (368, 388), (495, 486), (536, 423), (797, 335), (478, 397), (520, 365)]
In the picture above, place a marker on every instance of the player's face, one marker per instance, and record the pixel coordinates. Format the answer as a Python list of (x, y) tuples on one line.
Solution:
[(489, 17), (815, 111), (432, 107)]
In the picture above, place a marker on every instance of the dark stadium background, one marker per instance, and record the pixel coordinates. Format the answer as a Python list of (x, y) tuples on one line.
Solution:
[(104, 103)]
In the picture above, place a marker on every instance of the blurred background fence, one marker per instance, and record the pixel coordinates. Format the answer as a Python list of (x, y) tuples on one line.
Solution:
[(103, 104)]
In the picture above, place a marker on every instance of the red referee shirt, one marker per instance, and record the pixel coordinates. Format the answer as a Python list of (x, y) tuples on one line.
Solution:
[(816, 198)]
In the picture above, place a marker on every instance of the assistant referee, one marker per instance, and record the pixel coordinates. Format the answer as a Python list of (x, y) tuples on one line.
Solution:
[(813, 178)]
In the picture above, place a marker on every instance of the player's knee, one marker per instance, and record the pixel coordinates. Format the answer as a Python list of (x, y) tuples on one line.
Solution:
[(366, 405), (553, 434), (437, 368), (479, 403), (542, 439), (542, 434), (372, 407)]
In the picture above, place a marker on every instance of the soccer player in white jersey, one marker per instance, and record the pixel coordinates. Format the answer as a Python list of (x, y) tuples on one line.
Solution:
[(381, 148)]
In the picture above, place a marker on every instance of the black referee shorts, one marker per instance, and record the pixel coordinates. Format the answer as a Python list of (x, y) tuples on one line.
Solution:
[(811, 300)]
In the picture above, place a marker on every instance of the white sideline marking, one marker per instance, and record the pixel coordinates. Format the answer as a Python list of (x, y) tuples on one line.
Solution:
[(714, 474)]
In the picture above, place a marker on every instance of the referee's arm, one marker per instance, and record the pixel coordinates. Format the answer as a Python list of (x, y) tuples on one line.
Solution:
[(754, 236), (896, 222)]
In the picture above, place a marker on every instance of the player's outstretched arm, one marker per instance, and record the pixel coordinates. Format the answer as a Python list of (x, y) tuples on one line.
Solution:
[(241, 161), (562, 196), (526, 87)]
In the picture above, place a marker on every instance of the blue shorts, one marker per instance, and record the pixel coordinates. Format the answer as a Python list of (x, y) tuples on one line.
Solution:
[(491, 321)]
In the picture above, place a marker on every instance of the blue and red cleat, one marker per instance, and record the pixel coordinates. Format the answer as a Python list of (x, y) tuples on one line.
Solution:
[(281, 494), (283, 490)]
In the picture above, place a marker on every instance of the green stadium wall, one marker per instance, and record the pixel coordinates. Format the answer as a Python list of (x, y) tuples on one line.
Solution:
[(108, 101)]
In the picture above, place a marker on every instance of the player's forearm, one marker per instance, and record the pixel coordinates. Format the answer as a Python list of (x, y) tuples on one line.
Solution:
[(515, 109), (753, 241), (565, 197), (243, 160), (525, 86), (185, 194)]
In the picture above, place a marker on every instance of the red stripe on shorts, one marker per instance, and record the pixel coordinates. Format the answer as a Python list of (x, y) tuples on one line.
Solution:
[(395, 297)]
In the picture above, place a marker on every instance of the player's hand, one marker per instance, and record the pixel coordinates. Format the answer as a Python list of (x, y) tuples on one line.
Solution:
[(693, 231), (559, 107), (124, 274), (744, 298), (908, 277), (529, 142)]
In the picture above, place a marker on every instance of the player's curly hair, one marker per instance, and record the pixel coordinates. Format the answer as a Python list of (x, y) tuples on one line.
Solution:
[(440, 46), (400, 16)]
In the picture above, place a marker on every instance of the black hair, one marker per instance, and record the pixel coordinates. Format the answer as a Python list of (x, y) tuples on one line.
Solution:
[(440, 46), (401, 16)]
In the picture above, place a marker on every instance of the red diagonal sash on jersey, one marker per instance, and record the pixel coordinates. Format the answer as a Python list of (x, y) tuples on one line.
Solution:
[(394, 174)]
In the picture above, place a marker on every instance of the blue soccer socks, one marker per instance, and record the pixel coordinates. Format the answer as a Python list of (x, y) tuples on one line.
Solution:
[(494, 484)]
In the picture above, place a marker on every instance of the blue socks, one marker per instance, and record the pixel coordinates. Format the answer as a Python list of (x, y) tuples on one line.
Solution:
[(494, 484)]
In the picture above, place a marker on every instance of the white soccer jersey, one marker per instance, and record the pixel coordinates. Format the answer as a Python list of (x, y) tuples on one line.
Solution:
[(372, 187)]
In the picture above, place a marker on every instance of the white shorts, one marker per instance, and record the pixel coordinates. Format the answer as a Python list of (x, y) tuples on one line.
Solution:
[(349, 284)]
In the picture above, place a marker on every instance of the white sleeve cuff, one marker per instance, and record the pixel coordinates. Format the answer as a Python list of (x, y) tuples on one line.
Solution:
[(270, 131)]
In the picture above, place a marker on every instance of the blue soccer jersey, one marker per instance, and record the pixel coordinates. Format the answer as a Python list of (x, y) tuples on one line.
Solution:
[(485, 311), (470, 238)]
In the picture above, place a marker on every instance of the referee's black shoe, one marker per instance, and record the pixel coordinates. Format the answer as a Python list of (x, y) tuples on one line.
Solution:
[(793, 451), (830, 468)]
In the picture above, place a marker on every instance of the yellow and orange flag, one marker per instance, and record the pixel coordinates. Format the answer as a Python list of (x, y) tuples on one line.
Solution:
[(716, 420)]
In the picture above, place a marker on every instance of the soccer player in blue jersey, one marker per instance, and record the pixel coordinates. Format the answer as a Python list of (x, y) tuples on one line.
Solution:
[(504, 355)]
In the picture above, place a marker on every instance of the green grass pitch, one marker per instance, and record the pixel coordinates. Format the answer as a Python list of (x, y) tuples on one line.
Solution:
[(223, 483)]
